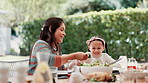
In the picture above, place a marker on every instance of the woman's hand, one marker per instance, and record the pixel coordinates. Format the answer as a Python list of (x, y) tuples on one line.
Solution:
[(77, 55), (80, 56)]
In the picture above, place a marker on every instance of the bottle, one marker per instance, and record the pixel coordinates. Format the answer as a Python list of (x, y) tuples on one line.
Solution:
[(76, 77), (132, 63), (42, 72)]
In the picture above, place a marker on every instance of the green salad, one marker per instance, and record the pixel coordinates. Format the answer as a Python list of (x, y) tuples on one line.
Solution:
[(95, 64)]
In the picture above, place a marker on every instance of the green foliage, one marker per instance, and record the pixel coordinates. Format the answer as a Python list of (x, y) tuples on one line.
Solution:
[(83, 6), (125, 31), (25, 10), (129, 3), (29, 33)]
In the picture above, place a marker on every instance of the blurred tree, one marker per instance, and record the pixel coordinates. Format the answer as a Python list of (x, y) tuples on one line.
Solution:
[(31, 9), (83, 6), (25, 10)]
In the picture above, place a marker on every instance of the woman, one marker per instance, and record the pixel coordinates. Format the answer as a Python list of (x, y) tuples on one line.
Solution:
[(51, 37)]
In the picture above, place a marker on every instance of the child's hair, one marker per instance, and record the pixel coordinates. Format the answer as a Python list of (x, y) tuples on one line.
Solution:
[(98, 39)]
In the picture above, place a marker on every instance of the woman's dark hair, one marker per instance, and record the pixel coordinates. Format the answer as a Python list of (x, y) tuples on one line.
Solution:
[(49, 28), (98, 39)]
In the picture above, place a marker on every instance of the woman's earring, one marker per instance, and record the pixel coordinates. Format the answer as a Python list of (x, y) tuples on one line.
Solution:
[(50, 29)]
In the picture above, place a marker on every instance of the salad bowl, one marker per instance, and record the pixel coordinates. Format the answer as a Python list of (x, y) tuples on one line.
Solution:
[(134, 74), (91, 69)]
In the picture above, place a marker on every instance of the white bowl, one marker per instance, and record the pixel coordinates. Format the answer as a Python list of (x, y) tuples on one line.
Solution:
[(129, 75), (86, 69)]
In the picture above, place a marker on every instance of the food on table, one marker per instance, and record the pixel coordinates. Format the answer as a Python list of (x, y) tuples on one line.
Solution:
[(100, 77)]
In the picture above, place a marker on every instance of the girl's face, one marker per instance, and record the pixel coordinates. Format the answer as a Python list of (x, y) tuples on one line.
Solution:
[(96, 48), (60, 33)]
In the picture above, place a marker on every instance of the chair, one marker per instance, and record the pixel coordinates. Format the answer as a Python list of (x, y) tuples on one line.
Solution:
[(13, 64)]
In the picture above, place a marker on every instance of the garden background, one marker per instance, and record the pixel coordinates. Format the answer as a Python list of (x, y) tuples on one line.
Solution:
[(122, 23)]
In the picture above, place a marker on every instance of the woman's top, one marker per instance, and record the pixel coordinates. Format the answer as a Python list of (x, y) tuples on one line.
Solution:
[(42, 46), (103, 59)]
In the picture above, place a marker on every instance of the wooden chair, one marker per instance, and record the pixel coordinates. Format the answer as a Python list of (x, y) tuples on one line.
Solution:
[(13, 64)]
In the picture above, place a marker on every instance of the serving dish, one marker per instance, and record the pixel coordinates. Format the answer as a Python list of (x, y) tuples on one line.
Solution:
[(91, 69)]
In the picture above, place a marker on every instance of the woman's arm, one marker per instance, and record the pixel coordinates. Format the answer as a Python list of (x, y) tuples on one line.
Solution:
[(72, 56), (57, 60)]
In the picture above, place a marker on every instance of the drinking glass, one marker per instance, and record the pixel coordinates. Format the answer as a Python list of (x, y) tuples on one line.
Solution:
[(132, 63), (121, 76), (71, 67), (44, 58), (54, 71), (42, 69)]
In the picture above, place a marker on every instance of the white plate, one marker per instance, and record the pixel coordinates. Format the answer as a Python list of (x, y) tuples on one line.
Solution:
[(116, 68), (62, 72)]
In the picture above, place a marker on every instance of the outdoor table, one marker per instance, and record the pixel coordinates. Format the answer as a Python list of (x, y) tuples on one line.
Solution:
[(29, 78)]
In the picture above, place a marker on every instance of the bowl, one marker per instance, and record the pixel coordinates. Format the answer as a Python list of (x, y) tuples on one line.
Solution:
[(91, 69), (139, 75)]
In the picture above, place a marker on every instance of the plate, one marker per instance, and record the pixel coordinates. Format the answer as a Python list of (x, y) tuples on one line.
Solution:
[(116, 69), (62, 72)]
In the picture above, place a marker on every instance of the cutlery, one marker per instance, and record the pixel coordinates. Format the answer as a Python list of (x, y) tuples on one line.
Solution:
[(115, 61)]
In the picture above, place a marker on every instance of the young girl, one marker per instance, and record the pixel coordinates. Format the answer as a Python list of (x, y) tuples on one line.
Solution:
[(51, 37), (96, 46)]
